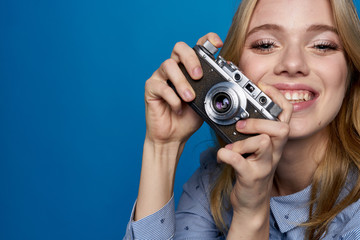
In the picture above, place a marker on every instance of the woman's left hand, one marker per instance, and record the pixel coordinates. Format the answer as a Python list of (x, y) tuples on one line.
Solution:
[(250, 197)]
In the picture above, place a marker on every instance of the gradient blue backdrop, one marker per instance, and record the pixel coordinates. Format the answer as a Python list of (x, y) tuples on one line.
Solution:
[(72, 123)]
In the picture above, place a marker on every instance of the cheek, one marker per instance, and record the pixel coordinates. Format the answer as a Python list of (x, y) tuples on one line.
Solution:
[(334, 93), (254, 68), (334, 78), (333, 72)]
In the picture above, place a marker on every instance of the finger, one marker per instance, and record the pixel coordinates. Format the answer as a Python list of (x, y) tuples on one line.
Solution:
[(257, 165), (187, 56), (169, 70), (213, 38), (158, 90), (256, 126), (258, 145), (278, 131), (225, 155), (279, 99)]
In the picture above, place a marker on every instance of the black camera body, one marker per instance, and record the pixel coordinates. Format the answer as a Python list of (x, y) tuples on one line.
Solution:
[(224, 95)]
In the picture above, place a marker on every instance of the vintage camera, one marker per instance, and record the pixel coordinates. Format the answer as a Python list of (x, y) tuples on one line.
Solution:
[(225, 95)]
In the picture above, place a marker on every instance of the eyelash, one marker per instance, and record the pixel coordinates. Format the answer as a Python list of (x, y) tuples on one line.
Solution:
[(326, 46), (267, 45), (263, 45)]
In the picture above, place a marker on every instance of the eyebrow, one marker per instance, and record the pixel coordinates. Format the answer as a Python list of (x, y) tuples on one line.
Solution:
[(265, 27), (312, 28), (322, 28)]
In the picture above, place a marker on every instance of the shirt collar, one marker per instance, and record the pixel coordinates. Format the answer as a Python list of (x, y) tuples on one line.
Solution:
[(291, 210)]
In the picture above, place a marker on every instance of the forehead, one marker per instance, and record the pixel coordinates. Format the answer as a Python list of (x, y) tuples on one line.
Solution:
[(292, 13)]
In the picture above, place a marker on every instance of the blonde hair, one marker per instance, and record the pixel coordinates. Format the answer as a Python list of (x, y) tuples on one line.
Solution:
[(343, 148)]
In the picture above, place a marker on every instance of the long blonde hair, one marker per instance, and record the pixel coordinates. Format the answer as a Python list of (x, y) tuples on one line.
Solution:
[(343, 149)]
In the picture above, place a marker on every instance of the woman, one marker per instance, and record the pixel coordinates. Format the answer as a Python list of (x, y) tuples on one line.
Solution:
[(301, 178)]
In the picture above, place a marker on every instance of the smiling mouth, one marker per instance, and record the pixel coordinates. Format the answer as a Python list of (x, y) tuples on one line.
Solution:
[(298, 96)]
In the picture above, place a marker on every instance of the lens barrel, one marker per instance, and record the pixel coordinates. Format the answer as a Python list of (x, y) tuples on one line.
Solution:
[(225, 102)]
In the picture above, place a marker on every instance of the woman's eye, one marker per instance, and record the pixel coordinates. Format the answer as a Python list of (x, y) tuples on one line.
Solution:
[(325, 46), (263, 45)]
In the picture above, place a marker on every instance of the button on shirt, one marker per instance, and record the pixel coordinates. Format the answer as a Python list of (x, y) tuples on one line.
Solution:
[(193, 219)]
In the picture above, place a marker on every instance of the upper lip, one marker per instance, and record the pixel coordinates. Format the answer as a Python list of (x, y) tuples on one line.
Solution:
[(295, 86)]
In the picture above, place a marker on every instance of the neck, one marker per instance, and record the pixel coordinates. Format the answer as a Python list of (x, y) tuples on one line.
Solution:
[(298, 163)]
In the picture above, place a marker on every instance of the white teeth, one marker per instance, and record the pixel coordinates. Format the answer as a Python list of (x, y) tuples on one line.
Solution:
[(297, 96), (307, 96), (288, 96), (301, 95)]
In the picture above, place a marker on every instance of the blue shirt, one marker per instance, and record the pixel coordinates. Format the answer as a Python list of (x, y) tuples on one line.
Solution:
[(193, 219)]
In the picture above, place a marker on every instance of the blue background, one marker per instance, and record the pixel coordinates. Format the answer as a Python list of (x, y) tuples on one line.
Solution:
[(72, 77), (72, 125)]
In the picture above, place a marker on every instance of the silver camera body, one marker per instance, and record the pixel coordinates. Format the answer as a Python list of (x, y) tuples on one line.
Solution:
[(224, 95)]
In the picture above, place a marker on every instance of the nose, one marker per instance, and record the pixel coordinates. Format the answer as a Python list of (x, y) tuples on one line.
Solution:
[(292, 62)]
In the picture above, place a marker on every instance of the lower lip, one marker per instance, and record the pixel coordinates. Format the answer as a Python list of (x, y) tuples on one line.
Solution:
[(303, 105)]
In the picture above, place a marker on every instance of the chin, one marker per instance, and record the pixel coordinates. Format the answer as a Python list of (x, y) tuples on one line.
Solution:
[(300, 130)]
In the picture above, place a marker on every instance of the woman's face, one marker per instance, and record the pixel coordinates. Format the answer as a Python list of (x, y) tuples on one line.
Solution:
[(293, 46)]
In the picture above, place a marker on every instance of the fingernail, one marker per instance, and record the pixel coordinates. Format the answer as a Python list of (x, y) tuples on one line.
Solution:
[(241, 124), (217, 40), (188, 95), (229, 146), (197, 72)]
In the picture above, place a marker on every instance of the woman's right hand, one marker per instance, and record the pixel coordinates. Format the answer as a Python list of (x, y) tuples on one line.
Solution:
[(169, 124), (168, 119)]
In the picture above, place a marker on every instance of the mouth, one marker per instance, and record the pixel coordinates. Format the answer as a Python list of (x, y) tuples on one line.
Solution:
[(301, 96), (298, 96)]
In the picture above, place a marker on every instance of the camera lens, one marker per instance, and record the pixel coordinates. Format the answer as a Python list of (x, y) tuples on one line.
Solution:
[(221, 102), (224, 103)]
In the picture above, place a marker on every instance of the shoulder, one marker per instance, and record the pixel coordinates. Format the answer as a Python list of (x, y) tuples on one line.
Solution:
[(208, 161), (194, 219), (347, 222), (207, 173), (346, 225), (209, 168)]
